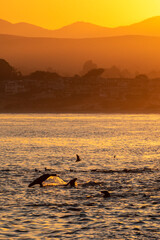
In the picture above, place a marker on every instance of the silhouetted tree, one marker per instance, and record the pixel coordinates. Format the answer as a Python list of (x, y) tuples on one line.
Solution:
[(88, 65), (7, 71), (142, 77), (43, 75), (112, 72), (94, 73)]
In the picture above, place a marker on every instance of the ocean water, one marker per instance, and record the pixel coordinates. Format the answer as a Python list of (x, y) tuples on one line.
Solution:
[(119, 153)]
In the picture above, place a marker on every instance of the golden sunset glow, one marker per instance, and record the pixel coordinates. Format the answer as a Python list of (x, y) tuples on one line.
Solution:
[(53, 14), (79, 119)]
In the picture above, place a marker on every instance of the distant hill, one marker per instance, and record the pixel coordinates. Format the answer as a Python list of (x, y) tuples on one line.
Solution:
[(148, 27), (67, 56), (23, 29)]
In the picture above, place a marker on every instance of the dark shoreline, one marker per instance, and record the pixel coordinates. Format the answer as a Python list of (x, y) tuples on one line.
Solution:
[(80, 112), (76, 105)]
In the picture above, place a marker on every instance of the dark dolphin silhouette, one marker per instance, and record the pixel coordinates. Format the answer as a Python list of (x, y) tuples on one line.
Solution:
[(36, 170), (78, 158), (47, 169), (41, 179), (106, 194), (72, 183)]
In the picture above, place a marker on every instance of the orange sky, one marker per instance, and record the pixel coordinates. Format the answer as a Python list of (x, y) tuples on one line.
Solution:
[(53, 14)]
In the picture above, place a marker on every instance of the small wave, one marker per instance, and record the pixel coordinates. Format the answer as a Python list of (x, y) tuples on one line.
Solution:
[(74, 206), (5, 170), (40, 205), (74, 209), (125, 170), (91, 183)]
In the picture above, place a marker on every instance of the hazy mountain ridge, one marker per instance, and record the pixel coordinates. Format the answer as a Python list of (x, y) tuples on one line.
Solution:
[(67, 56), (149, 27), (22, 29)]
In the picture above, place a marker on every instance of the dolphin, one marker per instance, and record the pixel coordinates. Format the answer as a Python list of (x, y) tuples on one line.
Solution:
[(41, 179), (72, 183), (106, 194), (44, 177), (78, 158)]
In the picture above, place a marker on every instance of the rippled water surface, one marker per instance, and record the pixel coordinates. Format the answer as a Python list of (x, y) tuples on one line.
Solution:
[(119, 153)]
